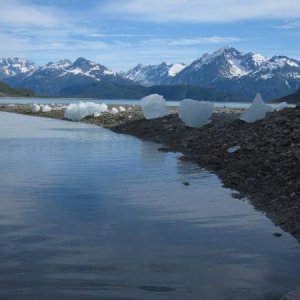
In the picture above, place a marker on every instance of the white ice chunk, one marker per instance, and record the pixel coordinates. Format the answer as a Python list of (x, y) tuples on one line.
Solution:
[(56, 108), (96, 114), (233, 149), (35, 108), (46, 108), (195, 113), (154, 106), (256, 111), (77, 111), (281, 106), (122, 108), (11, 105), (130, 117), (114, 110)]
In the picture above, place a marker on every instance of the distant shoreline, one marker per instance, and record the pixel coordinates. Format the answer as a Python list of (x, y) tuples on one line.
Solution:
[(265, 169), (116, 99)]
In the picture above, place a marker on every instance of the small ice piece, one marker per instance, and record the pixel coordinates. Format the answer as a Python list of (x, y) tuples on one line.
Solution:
[(11, 105), (130, 117), (195, 113), (122, 108), (233, 149), (154, 106), (35, 108), (56, 108), (77, 111), (281, 106), (46, 108), (96, 114), (256, 111), (114, 110)]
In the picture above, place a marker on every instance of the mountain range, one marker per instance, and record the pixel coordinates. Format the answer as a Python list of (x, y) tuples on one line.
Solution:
[(49, 80), (233, 71), (227, 70)]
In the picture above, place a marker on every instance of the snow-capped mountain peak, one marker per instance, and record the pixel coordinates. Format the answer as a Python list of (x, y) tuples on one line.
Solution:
[(13, 66), (258, 58), (154, 74), (282, 66), (228, 63)]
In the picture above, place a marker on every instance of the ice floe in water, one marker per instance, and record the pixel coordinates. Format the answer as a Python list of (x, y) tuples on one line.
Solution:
[(77, 111), (154, 106), (46, 108), (195, 113), (256, 111), (122, 108), (35, 108)]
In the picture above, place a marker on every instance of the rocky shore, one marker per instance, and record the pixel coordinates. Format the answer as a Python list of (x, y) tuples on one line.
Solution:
[(260, 161)]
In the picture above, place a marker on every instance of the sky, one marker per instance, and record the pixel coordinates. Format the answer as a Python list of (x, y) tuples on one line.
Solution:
[(122, 33)]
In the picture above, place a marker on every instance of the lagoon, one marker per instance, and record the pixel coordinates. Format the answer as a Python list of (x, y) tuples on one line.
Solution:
[(86, 213)]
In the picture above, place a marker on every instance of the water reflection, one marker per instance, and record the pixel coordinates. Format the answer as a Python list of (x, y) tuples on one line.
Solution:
[(88, 214)]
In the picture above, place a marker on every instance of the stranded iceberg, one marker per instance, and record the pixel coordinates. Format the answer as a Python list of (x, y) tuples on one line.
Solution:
[(195, 113)]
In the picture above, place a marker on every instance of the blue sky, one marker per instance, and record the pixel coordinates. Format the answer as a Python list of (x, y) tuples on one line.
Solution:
[(123, 33)]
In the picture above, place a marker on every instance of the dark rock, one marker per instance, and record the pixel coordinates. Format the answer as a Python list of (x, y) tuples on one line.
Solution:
[(164, 149)]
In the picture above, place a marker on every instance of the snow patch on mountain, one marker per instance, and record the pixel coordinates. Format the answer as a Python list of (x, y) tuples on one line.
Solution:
[(258, 58), (153, 74), (175, 69), (237, 70), (13, 66)]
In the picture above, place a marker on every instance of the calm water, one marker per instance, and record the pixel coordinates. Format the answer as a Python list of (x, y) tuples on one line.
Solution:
[(89, 214), (27, 100), (5, 100)]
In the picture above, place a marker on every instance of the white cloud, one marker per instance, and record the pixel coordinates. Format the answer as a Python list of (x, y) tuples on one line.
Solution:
[(192, 41), (194, 11), (17, 13), (289, 25)]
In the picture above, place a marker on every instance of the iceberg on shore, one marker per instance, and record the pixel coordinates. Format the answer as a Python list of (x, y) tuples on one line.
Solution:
[(46, 108), (35, 108), (114, 110), (195, 113), (256, 111), (281, 106), (77, 111), (154, 106)]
